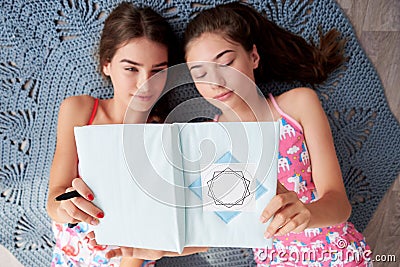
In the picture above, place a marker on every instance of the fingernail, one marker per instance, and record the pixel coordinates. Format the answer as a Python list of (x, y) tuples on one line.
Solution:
[(267, 235), (262, 219), (100, 215), (94, 221), (90, 197)]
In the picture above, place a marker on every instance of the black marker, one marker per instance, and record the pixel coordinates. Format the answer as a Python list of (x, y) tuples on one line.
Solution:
[(66, 196)]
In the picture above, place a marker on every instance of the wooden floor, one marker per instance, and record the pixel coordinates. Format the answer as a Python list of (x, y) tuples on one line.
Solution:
[(377, 24)]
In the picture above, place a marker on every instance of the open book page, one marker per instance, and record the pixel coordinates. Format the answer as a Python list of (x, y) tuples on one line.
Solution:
[(169, 186), (230, 175), (128, 168)]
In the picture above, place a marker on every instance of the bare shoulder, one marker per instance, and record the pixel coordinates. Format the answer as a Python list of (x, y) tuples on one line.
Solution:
[(76, 109), (300, 95), (298, 102)]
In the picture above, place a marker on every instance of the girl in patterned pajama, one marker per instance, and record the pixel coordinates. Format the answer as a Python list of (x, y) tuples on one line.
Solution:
[(309, 213), (134, 46)]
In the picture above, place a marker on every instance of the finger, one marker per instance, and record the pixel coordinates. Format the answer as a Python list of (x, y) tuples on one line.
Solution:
[(93, 242), (114, 253), (76, 214), (88, 207), (82, 188), (278, 221), (304, 221), (130, 252), (69, 189), (276, 203), (148, 254), (96, 246), (90, 239), (91, 235), (300, 218), (300, 228), (287, 212), (297, 222), (64, 204)]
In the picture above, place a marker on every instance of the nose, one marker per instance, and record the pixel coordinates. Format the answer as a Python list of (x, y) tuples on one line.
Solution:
[(217, 80), (142, 81)]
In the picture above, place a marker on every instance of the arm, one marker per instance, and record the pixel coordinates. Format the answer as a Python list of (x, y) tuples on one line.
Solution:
[(186, 251), (131, 262), (326, 171), (140, 253), (332, 207), (64, 169), (149, 254)]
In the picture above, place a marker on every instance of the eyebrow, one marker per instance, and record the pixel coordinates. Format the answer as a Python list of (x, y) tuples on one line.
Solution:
[(223, 53), (216, 57), (141, 65)]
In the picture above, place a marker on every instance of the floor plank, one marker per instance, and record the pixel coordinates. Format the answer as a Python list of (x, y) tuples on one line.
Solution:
[(382, 15), (381, 47), (377, 25)]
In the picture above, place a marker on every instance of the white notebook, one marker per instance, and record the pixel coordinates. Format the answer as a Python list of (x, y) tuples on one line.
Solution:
[(170, 186)]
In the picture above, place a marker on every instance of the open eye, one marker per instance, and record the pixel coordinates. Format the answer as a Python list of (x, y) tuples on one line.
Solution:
[(133, 69)]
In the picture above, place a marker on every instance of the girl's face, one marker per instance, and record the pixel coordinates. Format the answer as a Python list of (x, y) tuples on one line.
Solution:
[(222, 86), (131, 68)]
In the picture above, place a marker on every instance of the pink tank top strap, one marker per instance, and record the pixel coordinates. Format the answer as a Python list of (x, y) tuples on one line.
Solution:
[(94, 111), (283, 114)]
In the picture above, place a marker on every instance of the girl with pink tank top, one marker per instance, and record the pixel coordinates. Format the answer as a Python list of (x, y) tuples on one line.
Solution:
[(134, 46), (72, 245), (227, 49)]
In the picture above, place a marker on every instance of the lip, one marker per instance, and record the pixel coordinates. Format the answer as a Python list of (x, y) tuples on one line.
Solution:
[(224, 96), (144, 98)]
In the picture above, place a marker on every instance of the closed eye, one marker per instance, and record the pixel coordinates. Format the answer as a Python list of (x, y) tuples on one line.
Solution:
[(201, 75), (227, 64)]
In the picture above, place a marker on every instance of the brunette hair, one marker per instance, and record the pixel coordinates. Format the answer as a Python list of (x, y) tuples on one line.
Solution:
[(127, 22), (284, 56)]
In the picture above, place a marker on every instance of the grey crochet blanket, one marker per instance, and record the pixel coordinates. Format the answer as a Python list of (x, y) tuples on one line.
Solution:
[(47, 53)]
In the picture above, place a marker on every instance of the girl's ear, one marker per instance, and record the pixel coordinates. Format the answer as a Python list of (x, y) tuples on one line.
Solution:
[(255, 57), (106, 68)]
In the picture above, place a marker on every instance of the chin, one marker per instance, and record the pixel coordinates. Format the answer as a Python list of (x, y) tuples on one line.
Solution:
[(225, 106), (138, 109)]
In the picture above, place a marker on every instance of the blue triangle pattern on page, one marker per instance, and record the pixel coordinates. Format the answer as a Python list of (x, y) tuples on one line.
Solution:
[(226, 216)]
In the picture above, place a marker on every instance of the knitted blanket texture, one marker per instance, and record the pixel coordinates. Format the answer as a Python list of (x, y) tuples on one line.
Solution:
[(48, 52)]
